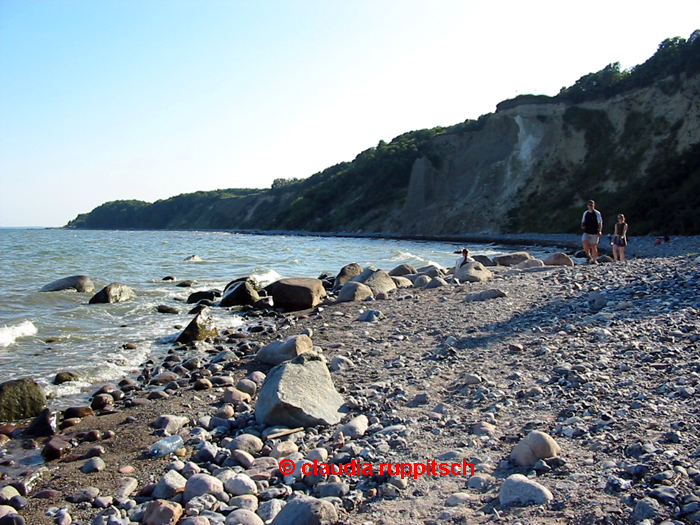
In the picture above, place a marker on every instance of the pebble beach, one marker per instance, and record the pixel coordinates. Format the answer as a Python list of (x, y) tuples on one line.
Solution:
[(592, 370)]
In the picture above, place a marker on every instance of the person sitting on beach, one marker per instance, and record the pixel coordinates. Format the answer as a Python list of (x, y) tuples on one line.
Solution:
[(464, 259), (619, 240)]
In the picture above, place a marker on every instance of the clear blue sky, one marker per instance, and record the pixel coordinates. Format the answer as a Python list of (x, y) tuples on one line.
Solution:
[(146, 99)]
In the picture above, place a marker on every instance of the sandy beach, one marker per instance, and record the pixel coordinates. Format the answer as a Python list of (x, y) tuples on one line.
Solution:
[(603, 359)]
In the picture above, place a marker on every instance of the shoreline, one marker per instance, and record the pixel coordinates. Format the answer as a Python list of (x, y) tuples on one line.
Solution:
[(639, 246), (427, 346)]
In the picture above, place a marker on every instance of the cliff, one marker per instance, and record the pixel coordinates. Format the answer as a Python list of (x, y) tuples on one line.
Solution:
[(533, 167), (628, 139)]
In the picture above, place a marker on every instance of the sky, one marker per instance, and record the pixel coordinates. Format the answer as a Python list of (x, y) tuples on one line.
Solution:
[(148, 99)]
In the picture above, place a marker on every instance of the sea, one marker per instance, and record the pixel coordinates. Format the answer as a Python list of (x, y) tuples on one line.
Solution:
[(43, 333)]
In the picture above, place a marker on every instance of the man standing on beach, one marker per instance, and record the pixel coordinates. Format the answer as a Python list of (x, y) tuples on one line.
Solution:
[(592, 225)]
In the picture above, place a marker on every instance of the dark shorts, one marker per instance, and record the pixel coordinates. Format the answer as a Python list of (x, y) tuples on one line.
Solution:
[(618, 240)]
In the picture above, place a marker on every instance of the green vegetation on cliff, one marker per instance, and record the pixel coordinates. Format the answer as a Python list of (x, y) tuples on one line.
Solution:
[(640, 172)]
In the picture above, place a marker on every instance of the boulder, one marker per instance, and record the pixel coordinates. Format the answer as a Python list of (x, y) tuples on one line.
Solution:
[(165, 309), (249, 443), (533, 447), (209, 295), (402, 282), (421, 280), (65, 377), (432, 271), (473, 272), (558, 259), (242, 516), (436, 282), (171, 483), (113, 293), (484, 260), (403, 269), (529, 263), (161, 512), (354, 291), (201, 484), (511, 259), (296, 293), (378, 280), (199, 329), (278, 352), (307, 510), (346, 273), (299, 393), (21, 399), (519, 490), (79, 283), (484, 295), (43, 425), (240, 293)]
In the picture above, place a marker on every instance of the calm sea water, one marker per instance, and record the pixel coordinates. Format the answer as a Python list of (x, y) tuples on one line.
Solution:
[(45, 333)]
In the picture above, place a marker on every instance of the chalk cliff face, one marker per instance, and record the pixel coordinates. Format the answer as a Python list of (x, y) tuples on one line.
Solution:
[(533, 167)]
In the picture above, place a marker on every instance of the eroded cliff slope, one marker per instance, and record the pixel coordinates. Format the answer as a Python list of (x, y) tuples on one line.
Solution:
[(532, 167)]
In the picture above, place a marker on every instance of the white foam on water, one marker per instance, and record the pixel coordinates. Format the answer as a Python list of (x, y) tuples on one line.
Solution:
[(10, 334), (405, 256)]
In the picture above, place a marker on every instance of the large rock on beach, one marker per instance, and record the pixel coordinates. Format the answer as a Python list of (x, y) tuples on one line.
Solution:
[(278, 352), (558, 259), (432, 270), (511, 259), (21, 399), (296, 293), (346, 273), (161, 512), (402, 281), (519, 490), (536, 445), (299, 393), (307, 510), (529, 263), (379, 281), (201, 484), (199, 329), (354, 291), (403, 269), (79, 283), (113, 293), (483, 259), (473, 272), (239, 294)]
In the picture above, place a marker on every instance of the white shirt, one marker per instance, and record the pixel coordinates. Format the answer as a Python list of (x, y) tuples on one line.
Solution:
[(462, 261)]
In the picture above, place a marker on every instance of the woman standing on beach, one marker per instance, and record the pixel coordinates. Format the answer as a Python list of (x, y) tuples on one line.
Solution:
[(619, 240)]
